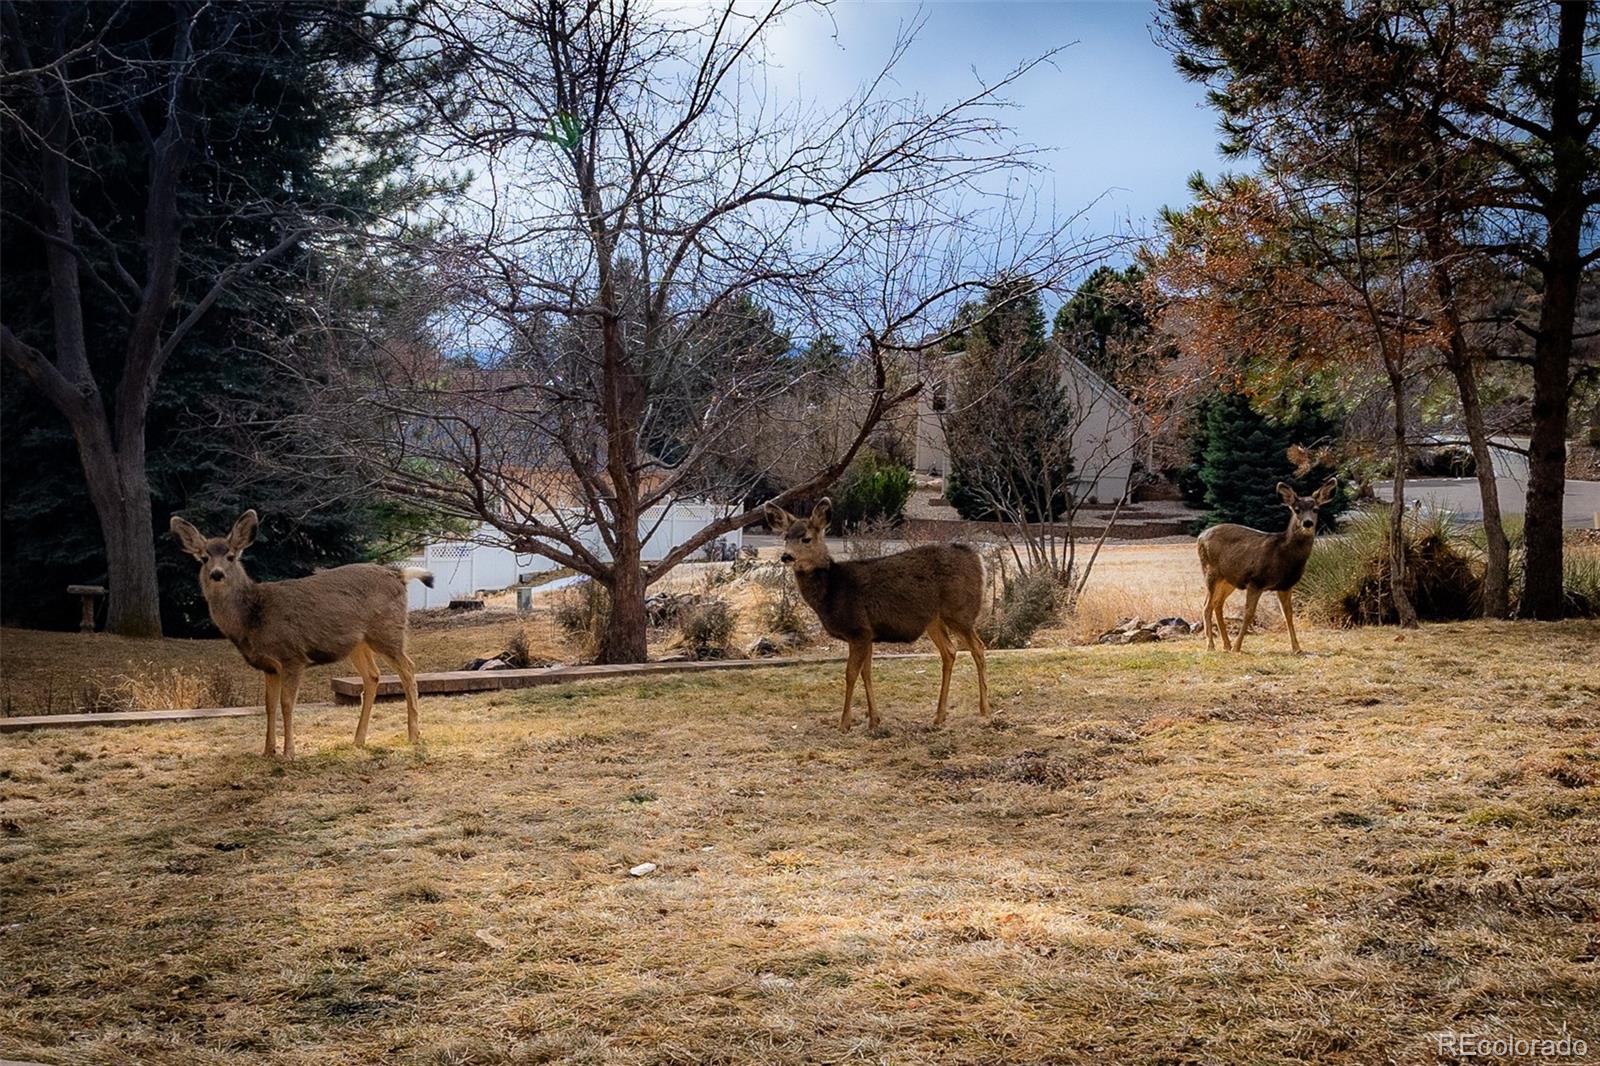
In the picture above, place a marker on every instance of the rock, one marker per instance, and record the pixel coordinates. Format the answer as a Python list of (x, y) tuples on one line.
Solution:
[(475, 664), (771, 982), (1143, 635), (644, 869), (773, 644), (495, 664)]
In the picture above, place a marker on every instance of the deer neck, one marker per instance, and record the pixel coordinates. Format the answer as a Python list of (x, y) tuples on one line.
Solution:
[(813, 583), (231, 608)]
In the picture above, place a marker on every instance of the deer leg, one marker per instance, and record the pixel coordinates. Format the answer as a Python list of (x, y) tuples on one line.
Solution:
[(407, 670), (1251, 596), (367, 666), (1205, 614), (1287, 602), (974, 643), (408, 678), (947, 660), (274, 686), (866, 683), (1220, 600), (852, 667), (291, 689)]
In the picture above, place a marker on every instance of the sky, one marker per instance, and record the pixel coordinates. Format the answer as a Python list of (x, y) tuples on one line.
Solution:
[(1117, 120)]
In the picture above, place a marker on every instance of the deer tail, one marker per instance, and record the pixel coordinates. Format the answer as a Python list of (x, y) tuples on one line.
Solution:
[(417, 573)]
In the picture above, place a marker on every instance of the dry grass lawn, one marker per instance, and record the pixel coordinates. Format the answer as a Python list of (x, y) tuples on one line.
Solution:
[(55, 673), (1151, 855)]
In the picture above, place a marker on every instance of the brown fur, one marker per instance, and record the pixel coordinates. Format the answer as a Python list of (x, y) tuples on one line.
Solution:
[(281, 627), (934, 589), (1237, 557)]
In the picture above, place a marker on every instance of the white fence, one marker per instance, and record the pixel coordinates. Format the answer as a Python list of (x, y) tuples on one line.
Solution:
[(466, 567)]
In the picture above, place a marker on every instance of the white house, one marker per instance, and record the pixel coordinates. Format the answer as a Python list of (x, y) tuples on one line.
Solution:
[(1108, 440), (486, 563)]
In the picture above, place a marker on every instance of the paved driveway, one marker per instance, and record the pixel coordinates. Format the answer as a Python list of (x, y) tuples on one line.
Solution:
[(1459, 495)]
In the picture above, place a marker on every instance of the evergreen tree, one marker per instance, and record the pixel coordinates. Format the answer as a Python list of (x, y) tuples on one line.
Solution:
[(246, 135), (1105, 310), (1009, 422), (1244, 454)]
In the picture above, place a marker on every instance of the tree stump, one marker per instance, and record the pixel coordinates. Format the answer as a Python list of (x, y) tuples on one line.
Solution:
[(88, 594)]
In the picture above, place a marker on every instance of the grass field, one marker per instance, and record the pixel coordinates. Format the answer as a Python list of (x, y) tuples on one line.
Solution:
[(1152, 854), (54, 673)]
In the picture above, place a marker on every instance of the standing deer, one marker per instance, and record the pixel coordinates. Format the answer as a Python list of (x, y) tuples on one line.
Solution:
[(280, 627), (1238, 557), (935, 589)]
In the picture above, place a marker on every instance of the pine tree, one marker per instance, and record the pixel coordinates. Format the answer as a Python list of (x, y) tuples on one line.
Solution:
[(1245, 454)]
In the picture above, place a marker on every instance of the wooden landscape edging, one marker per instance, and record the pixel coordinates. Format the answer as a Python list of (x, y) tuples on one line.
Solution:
[(449, 683), (458, 682), (189, 714)]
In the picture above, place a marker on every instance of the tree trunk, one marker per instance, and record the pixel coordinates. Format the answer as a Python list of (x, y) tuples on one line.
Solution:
[(1542, 593), (1497, 566), (1405, 612), (625, 639), (120, 492)]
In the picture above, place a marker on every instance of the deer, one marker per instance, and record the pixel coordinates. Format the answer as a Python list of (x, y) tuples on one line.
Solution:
[(932, 589), (1238, 557), (355, 612)]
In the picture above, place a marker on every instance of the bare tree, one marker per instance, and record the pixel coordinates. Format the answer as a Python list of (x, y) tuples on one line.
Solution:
[(650, 217)]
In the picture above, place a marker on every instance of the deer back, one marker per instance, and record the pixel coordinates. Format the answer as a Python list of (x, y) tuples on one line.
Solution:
[(322, 617)]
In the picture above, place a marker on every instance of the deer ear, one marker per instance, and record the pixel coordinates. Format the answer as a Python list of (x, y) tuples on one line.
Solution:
[(243, 533), (191, 539), (1325, 493), (1287, 494), (777, 518), (820, 514)]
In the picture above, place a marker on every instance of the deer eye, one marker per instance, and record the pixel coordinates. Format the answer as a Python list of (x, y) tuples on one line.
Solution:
[(805, 540), (231, 557)]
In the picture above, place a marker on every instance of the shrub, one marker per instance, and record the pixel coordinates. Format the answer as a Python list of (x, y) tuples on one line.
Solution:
[(707, 629), (786, 613), (1027, 602), (1452, 460), (1580, 571), (519, 652), (873, 490), (1581, 581), (1347, 582), (584, 612)]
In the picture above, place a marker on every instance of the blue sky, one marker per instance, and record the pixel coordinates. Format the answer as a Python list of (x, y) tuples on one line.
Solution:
[(1116, 117)]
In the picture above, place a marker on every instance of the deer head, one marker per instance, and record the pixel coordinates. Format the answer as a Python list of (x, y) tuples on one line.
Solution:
[(803, 546), (1303, 509), (220, 568)]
